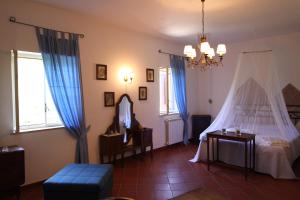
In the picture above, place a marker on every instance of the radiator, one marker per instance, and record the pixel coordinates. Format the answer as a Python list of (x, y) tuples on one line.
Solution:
[(174, 131)]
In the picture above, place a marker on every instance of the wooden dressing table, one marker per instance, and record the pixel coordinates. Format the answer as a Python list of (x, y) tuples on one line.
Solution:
[(117, 140)]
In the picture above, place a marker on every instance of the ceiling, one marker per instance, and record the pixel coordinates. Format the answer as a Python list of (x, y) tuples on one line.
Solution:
[(180, 20)]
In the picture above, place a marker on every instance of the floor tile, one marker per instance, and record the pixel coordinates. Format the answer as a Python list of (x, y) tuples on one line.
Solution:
[(162, 195), (170, 174)]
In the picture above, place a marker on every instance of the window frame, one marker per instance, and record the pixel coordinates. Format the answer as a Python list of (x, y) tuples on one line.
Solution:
[(15, 98), (167, 113)]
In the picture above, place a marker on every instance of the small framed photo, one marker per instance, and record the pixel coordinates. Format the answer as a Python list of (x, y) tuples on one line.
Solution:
[(109, 99), (150, 75), (101, 72), (142, 93)]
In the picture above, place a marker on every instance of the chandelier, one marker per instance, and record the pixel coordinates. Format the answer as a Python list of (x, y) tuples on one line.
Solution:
[(206, 58)]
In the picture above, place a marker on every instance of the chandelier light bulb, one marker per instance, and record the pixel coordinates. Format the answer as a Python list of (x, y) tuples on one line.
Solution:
[(211, 53), (204, 47), (193, 53), (221, 49), (188, 50)]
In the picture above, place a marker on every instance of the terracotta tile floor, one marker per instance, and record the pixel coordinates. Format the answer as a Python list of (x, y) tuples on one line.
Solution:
[(170, 174)]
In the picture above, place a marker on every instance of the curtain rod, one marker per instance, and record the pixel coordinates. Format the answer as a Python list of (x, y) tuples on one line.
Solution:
[(163, 52), (262, 51), (14, 20)]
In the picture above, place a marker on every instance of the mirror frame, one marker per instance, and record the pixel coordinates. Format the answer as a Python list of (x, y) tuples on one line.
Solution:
[(115, 126), (117, 111)]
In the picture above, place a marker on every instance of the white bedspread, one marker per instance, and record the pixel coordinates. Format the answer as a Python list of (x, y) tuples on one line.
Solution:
[(274, 157)]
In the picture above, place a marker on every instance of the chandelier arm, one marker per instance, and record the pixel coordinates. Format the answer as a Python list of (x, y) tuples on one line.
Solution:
[(202, 17)]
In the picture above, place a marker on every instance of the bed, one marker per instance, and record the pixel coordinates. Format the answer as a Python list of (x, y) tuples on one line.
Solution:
[(274, 156)]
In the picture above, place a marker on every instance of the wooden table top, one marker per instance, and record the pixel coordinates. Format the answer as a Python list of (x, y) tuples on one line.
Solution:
[(231, 136), (9, 149)]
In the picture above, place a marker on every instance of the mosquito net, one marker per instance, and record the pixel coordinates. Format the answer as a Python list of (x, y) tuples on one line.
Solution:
[(255, 103)]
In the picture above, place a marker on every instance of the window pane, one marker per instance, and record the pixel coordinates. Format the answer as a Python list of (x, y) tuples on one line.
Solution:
[(163, 90), (36, 107), (167, 95), (172, 100), (31, 92)]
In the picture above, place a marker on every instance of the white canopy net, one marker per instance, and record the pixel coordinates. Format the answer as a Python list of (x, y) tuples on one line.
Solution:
[(255, 103)]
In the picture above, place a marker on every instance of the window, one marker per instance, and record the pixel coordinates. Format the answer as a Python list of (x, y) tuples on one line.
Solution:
[(34, 107), (167, 96)]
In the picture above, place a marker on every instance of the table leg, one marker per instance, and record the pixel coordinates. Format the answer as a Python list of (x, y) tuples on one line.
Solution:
[(134, 152), (151, 151), (213, 149), (122, 159), (217, 149), (144, 151), (246, 159), (101, 158), (143, 147), (115, 158), (254, 154), (250, 152), (207, 146)]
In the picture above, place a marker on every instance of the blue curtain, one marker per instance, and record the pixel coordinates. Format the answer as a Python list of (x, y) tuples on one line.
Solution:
[(179, 84), (60, 52)]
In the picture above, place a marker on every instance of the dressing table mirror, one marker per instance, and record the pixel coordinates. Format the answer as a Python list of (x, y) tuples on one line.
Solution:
[(125, 133)]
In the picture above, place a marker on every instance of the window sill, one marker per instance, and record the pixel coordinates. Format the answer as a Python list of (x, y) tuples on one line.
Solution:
[(32, 130), (170, 117), (169, 114)]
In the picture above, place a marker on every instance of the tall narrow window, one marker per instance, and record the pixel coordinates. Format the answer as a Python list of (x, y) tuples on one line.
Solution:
[(167, 95), (35, 107)]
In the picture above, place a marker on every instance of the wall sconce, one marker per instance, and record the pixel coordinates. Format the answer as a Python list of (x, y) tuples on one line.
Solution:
[(128, 77)]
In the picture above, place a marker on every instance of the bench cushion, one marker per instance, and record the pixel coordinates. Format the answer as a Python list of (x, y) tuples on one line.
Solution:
[(80, 181)]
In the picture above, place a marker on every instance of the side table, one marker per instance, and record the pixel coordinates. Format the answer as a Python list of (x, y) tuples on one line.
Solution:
[(232, 136), (12, 169)]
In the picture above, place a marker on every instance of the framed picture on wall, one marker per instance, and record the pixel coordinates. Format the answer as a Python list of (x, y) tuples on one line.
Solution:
[(101, 72), (142, 93), (109, 99), (150, 75)]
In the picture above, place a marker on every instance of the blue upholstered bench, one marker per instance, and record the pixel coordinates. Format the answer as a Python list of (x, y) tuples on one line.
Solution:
[(80, 182)]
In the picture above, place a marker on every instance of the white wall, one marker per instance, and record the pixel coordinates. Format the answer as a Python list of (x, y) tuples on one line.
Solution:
[(48, 151), (215, 84)]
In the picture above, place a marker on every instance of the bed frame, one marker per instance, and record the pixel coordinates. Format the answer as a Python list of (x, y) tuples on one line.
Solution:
[(294, 112), (292, 99)]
